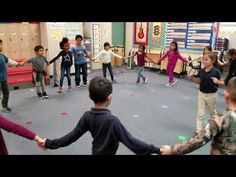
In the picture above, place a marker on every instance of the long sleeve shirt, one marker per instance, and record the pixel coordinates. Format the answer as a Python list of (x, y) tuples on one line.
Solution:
[(220, 129), (173, 56), (106, 56), (12, 127), (66, 58), (107, 131)]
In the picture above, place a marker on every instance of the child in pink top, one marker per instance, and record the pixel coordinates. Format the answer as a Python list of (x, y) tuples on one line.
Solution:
[(173, 55)]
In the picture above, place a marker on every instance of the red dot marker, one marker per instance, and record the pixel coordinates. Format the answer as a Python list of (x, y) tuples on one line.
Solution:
[(64, 113), (29, 123)]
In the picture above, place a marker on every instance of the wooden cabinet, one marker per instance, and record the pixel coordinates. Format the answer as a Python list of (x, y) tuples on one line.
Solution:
[(113, 57), (19, 39), (24, 41), (179, 68), (12, 42), (119, 50), (153, 63), (34, 37)]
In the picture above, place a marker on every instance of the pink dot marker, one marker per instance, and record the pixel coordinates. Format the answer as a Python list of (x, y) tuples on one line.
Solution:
[(64, 113), (29, 123)]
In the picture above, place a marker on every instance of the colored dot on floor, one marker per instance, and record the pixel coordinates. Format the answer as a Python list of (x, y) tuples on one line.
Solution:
[(64, 113), (154, 154), (164, 106), (182, 138), (135, 115), (29, 123)]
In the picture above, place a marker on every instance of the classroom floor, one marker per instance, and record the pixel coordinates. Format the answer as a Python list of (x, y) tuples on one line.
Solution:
[(152, 112)]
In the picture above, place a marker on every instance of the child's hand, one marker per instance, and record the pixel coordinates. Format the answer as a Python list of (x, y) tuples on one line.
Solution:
[(189, 76), (215, 80), (40, 142), (166, 150)]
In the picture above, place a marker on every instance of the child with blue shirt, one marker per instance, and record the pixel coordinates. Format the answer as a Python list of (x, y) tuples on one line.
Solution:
[(80, 53)]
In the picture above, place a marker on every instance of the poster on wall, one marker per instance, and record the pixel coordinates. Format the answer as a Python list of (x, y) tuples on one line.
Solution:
[(191, 35), (176, 31), (141, 33), (200, 34), (96, 38), (73, 29), (157, 34)]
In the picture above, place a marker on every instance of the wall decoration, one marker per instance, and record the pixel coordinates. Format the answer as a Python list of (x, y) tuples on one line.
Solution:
[(191, 35), (157, 34), (141, 33)]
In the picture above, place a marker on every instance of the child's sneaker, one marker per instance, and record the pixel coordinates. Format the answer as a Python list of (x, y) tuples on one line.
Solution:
[(145, 80), (113, 82), (45, 95), (85, 85), (6, 110), (78, 86), (138, 83), (69, 88), (40, 95), (174, 81), (60, 90), (169, 85)]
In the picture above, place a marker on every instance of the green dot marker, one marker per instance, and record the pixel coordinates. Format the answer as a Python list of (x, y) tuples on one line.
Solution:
[(205, 121), (154, 154), (182, 138)]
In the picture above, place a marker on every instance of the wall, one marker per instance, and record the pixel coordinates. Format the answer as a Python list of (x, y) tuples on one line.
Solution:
[(104, 34), (129, 42), (118, 33), (228, 30), (52, 34)]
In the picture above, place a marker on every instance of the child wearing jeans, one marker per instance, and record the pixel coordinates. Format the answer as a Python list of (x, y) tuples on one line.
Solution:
[(80, 53), (106, 129), (66, 63), (141, 55), (209, 79), (173, 55), (39, 72), (106, 55)]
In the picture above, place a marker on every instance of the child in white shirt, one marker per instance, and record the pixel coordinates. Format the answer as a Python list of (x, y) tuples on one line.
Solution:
[(105, 56)]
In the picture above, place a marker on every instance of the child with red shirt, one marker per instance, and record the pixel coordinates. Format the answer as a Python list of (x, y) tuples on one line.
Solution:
[(141, 55)]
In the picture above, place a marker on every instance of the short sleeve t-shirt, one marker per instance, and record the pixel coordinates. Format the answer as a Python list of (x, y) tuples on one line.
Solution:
[(141, 58), (207, 85), (38, 63), (79, 54), (3, 67)]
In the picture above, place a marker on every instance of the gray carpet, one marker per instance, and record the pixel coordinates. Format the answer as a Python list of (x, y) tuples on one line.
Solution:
[(152, 112)]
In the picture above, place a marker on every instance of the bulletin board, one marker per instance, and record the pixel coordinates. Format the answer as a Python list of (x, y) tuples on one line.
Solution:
[(191, 36)]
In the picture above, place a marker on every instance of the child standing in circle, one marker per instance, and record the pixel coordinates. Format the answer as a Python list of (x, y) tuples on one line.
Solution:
[(173, 55), (66, 62)]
